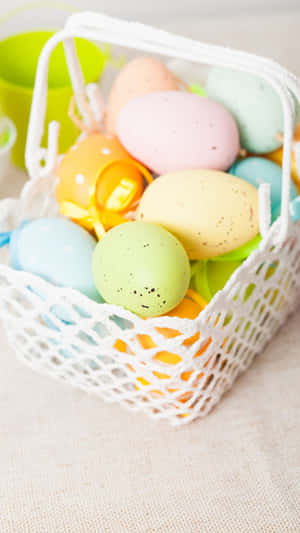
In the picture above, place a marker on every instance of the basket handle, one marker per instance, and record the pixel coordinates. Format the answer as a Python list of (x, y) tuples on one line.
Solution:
[(96, 26)]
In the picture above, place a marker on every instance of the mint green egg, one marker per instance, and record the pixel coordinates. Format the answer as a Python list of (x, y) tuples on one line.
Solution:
[(254, 104), (141, 267)]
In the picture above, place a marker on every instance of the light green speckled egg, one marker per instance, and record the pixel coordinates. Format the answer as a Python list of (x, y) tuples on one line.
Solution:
[(141, 267), (253, 103)]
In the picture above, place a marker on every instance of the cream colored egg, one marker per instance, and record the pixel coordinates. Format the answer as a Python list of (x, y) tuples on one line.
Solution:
[(209, 211)]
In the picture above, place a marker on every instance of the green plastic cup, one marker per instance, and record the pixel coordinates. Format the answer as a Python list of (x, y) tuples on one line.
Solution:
[(19, 57)]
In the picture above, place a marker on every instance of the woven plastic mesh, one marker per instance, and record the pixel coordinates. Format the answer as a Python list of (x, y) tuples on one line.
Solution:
[(114, 354)]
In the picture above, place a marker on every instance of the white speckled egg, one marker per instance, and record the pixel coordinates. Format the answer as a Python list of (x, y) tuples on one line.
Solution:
[(210, 212), (173, 130)]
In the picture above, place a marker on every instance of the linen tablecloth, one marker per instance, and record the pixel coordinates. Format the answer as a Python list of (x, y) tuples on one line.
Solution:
[(70, 463)]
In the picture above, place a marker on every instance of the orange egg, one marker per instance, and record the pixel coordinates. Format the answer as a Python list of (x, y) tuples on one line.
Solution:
[(188, 308), (277, 155), (97, 181)]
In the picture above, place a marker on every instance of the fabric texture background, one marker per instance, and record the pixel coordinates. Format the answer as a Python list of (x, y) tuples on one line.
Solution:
[(71, 464)]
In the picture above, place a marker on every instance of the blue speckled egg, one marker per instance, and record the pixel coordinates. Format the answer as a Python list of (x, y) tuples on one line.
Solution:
[(58, 251), (257, 170)]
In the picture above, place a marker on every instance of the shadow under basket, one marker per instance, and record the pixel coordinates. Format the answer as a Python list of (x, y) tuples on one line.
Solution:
[(171, 368)]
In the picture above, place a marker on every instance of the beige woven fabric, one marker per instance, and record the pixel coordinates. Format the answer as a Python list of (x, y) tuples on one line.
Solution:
[(71, 464)]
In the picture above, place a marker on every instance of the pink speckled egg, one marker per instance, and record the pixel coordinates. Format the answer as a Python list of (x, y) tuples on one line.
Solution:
[(172, 130), (140, 76)]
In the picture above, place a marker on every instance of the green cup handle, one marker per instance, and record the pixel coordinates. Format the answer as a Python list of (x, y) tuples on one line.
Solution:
[(95, 26)]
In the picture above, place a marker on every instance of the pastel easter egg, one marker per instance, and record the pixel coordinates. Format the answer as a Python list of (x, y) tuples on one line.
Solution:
[(210, 212), (96, 180), (186, 309), (242, 252), (140, 76), (294, 210), (170, 131), (141, 267), (56, 250), (257, 170), (254, 104)]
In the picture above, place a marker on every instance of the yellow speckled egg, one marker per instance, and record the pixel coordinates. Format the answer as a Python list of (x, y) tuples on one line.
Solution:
[(140, 76), (210, 212), (97, 180)]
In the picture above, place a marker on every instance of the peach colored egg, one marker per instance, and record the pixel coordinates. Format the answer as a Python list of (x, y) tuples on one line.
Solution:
[(174, 130), (140, 76)]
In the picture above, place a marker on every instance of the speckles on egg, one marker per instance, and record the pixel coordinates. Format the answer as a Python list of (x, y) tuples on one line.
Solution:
[(184, 137), (79, 179), (257, 170), (214, 218), (153, 277), (254, 104), (93, 172), (140, 76)]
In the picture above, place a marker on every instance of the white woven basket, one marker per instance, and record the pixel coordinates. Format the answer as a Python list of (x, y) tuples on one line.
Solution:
[(99, 348)]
